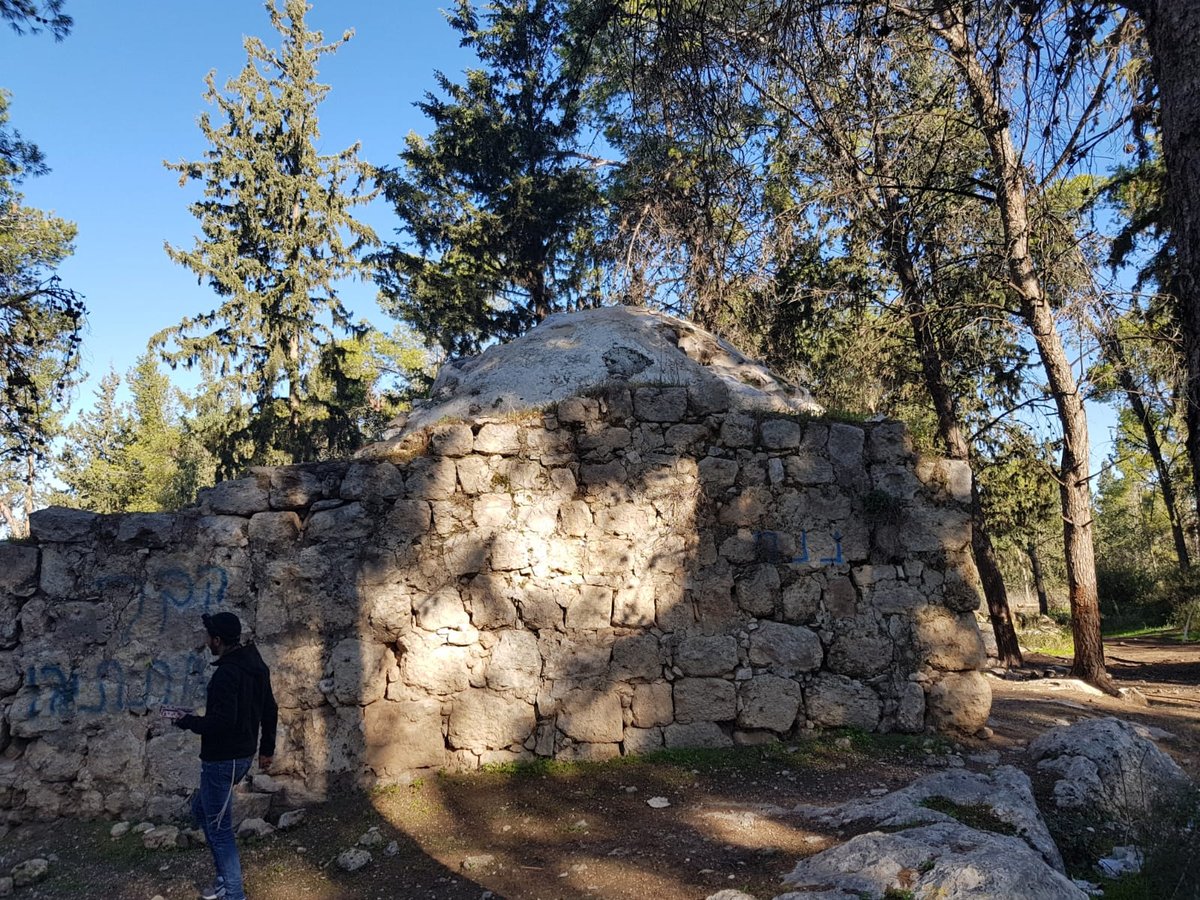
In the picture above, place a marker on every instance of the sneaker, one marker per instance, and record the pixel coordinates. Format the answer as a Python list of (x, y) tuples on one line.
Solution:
[(216, 892)]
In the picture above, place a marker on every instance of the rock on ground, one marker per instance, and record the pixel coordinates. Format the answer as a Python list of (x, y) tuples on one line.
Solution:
[(946, 860)]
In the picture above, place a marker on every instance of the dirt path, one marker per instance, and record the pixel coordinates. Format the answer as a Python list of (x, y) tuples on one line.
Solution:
[(565, 833)]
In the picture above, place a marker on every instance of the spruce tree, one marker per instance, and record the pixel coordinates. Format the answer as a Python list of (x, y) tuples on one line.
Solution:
[(277, 238), (498, 203)]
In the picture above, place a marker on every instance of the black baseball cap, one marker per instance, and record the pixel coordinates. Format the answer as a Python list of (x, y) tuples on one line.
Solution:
[(224, 625)]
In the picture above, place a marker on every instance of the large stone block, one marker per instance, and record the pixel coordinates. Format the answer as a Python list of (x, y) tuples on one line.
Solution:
[(482, 720), (428, 664), (374, 480), (696, 735), (591, 608), (498, 438), (401, 737), (835, 701), (359, 670), (240, 497), (515, 665), (593, 717), (431, 478), (451, 439), (442, 608), (65, 526), (653, 704), (707, 656), (660, 404), (18, 569), (781, 434), (345, 524), (785, 649), (705, 700), (860, 649), (959, 701), (757, 589), (637, 656), (768, 701), (948, 640)]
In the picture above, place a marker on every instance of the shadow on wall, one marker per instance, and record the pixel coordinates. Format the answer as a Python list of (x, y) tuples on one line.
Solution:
[(631, 570)]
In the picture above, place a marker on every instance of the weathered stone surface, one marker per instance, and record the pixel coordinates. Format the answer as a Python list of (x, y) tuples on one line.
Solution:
[(451, 439), (379, 480), (860, 649), (360, 671), (947, 640), (707, 655), (705, 700), (481, 720), (18, 569), (910, 717), (698, 735), (346, 523), (240, 497), (653, 704), (781, 434), (498, 438), (768, 701), (402, 736), (591, 716), (959, 701), (516, 664), (947, 860), (758, 590), (785, 649), (62, 526), (660, 404), (273, 528), (835, 701), (1106, 767)]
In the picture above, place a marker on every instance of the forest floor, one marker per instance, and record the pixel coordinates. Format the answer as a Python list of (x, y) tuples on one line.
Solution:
[(558, 832)]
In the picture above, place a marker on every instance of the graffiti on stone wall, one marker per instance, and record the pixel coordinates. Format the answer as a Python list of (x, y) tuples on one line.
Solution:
[(176, 590), (770, 547)]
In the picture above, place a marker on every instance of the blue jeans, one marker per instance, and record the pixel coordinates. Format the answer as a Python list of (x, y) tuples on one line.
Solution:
[(212, 808)]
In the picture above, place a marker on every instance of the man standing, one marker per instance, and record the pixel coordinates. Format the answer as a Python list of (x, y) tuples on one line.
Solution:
[(239, 705)]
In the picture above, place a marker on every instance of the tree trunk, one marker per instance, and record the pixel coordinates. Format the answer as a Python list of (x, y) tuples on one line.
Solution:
[(1039, 582), (950, 431), (1173, 35), (1116, 354), (1012, 199)]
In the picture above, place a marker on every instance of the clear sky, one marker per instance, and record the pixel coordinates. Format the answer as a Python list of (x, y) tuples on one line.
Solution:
[(122, 93)]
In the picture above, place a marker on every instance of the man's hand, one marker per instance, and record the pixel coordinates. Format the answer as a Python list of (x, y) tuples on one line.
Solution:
[(264, 762)]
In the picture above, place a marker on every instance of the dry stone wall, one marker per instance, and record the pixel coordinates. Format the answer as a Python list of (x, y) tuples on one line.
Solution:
[(631, 570)]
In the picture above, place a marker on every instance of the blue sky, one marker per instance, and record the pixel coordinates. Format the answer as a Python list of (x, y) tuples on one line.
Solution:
[(122, 93)]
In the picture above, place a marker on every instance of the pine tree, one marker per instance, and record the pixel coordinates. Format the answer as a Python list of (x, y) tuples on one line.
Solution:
[(499, 200), (277, 237)]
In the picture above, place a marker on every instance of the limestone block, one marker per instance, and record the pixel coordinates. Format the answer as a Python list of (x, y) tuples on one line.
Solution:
[(895, 597), (55, 758), (910, 717), (768, 701), (515, 665), (429, 665), (466, 554), (959, 701), (845, 445), (409, 519), (62, 570), (948, 640), (498, 438), (603, 474), (643, 740), (591, 716), (359, 670), (889, 442), (589, 752), (704, 700), (835, 701), (400, 737), (474, 474), (269, 529), (740, 547), (171, 762), (578, 411), (781, 434), (785, 649), (10, 673), (539, 606), (431, 478), (634, 604), (696, 735), (451, 439), (653, 704), (78, 624), (637, 656), (240, 497), (442, 608), (809, 469), (707, 656), (898, 481), (481, 720), (509, 552), (591, 608), (492, 601), (575, 518), (148, 529), (519, 475), (346, 523), (539, 518), (602, 445), (687, 438), (331, 741), (674, 612), (18, 569), (660, 404), (379, 480), (840, 598), (297, 487), (747, 508), (802, 600), (626, 520), (961, 591), (492, 511), (221, 531), (550, 447), (738, 430), (859, 648), (566, 659), (717, 474), (757, 589), (296, 671)]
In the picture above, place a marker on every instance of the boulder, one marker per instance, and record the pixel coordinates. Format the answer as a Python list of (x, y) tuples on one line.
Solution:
[(960, 701)]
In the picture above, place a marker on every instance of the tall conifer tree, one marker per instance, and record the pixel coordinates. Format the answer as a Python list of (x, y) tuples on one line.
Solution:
[(277, 237)]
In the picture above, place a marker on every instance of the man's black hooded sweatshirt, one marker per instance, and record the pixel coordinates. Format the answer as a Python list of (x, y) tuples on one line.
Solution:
[(239, 703)]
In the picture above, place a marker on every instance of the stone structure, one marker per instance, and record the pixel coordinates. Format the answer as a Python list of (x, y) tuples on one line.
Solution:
[(645, 565)]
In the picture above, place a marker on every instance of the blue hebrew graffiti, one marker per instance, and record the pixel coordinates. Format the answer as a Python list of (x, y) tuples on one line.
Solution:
[(181, 681), (179, 591)]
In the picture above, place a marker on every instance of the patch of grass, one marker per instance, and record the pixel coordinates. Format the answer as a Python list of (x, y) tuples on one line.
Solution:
[(895, 893), (1125, 630), (979, 816), (1052, 642)]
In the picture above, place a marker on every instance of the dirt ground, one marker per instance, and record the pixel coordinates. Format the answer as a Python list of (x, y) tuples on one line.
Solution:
[(588, 831)]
